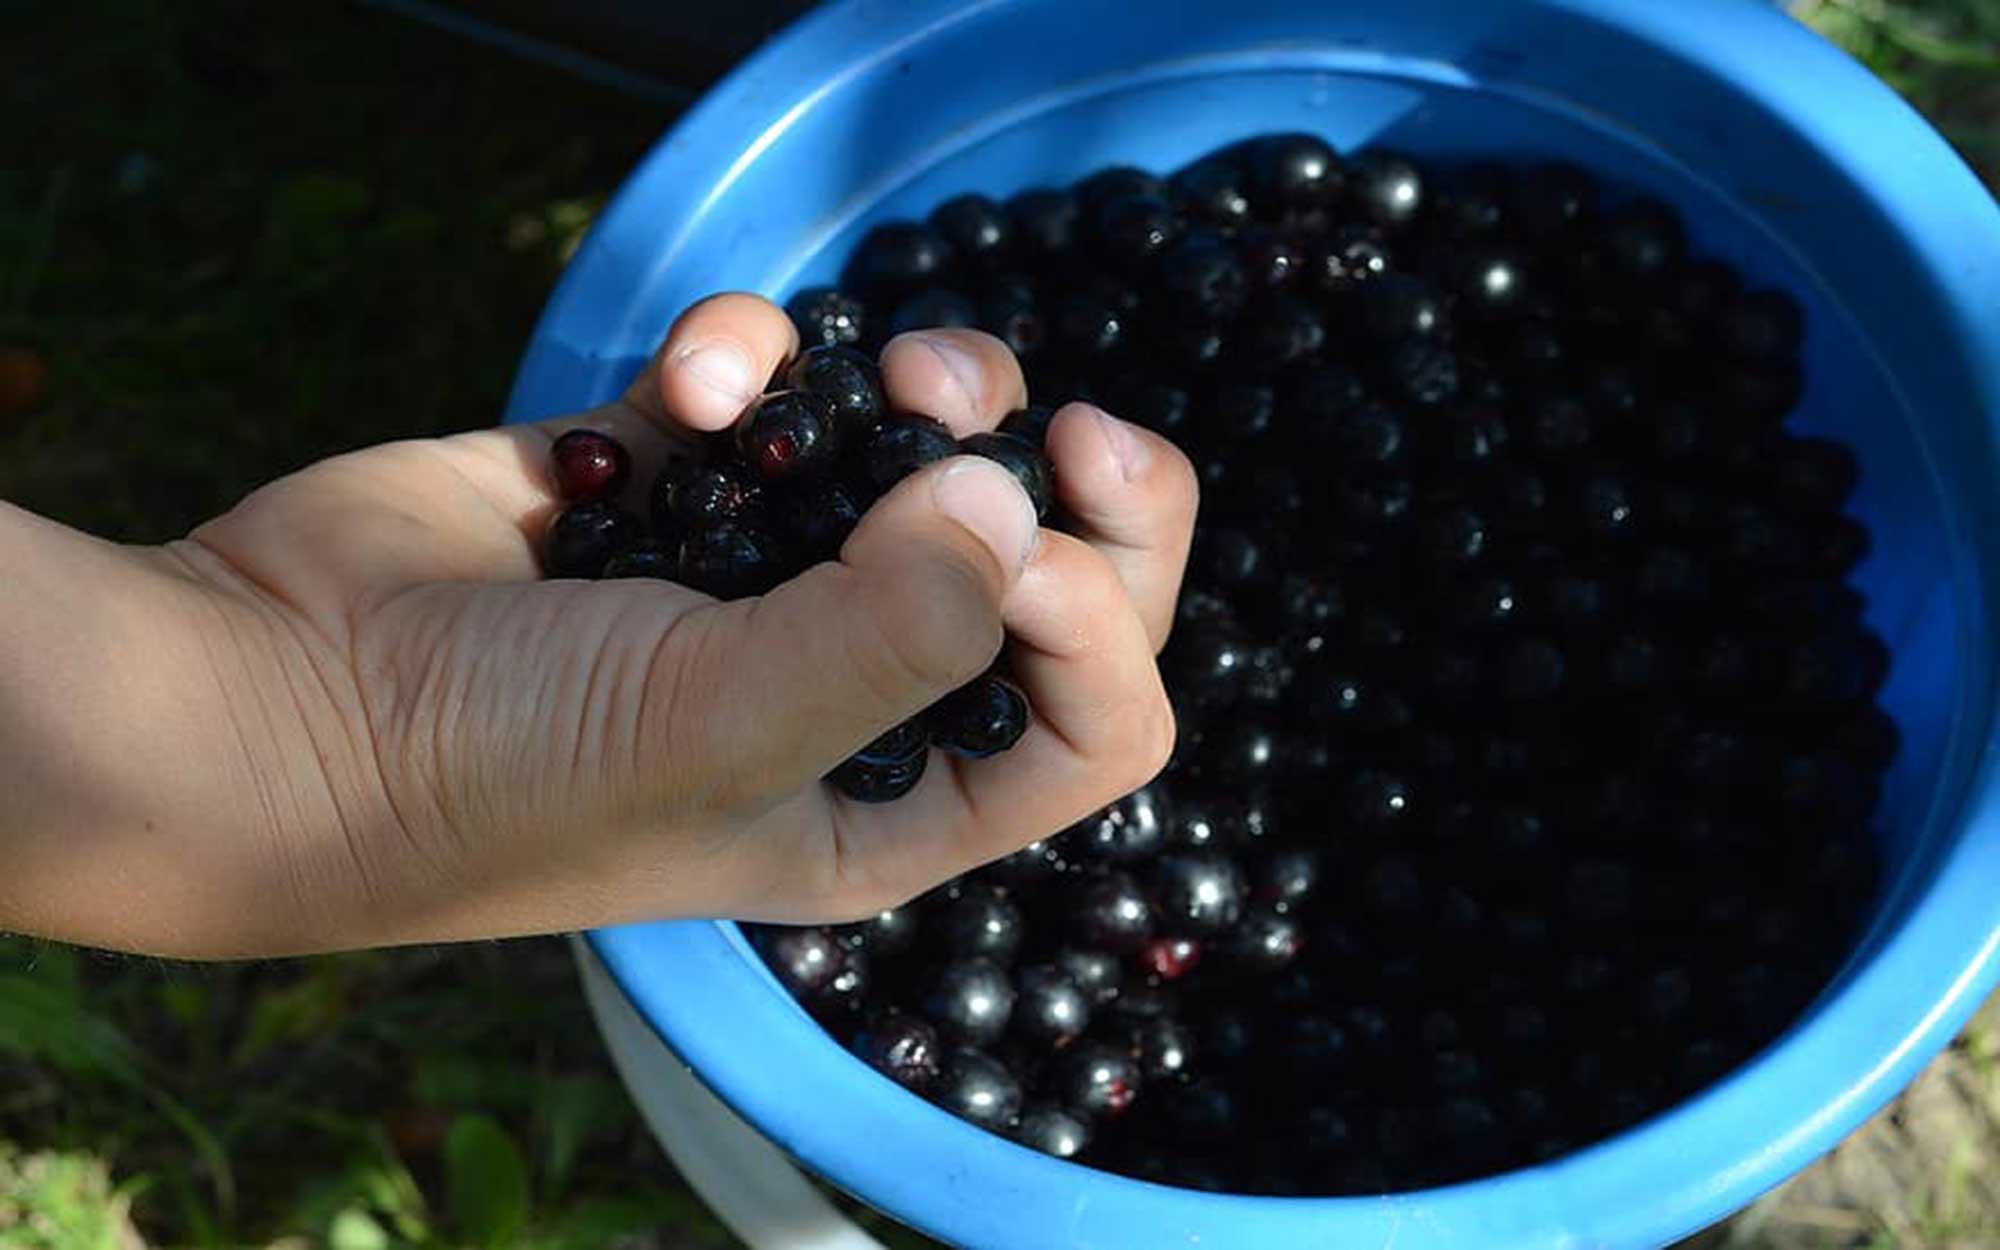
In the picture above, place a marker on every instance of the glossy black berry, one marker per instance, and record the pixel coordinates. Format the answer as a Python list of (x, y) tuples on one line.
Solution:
[(816, 519), (644, 558), (1132, 230), (901, 445), (1552, 201), (1386, 188), (846, 379), (1130, 829), (977, 229), (1423, 372), (975, 1086), (1201, 280), (1642, 239), (901, 1047), (805, 960), (788, 434), (971, 1000), (1272, 258), (897, 259), (1762, 325), (933, 308), (1094, 972), (1113, 913), (1266, 940), (584, 537), (1115, 182), (1169, 958), (1044, 222), (1098, 1079), (878, 783), (1212, 190), (981, 718), (1030, 424), (1050, 1008), (698, 497), (1053, 1130), (1088, 325), (1491, 285), (1019, 457), (1377, 801), (1401, 305), (730, 561), (887, 932), (825, 316), (983, 923), (1559, 426), (588, 464), (1199, 892), (1815, 474), (1350, 260), (1292, 173)]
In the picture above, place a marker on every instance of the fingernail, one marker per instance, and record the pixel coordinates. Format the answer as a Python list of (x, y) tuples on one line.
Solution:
[(721, 367), (964, 369), (986, 499), (1127, 448)]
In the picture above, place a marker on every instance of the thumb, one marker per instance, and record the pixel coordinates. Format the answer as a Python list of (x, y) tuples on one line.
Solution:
[(808, 674)]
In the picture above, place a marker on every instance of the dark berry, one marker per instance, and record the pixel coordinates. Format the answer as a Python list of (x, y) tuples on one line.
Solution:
[(585, 536), (981, 718), (1271, 258), (827, 317), (1113, 913), (1402, 305), (1170, 958), (897, 259), (697, 497), (1232, 557), (1370, 500), (788, 434), (1490, 285), (1019, 457), (933, 308), (1455, 536), (982, 923), (1552, 201), (1761, 325), (1642, 238), (1131, 828), (1050, 1009), (645, 558), (887, 932), (1088, 326), (1293, 172), (1265, 940), (1367, 431), (1387, 188), (1559, 426), (1375, 800), (846, 379), (1094, 972), (589, 464), (1815, 474), (1353, 259), (903, 444), (1835, 546), (975, 227), (1030, 424), (975, 1086), (1131, 230), (896, 746), (805, 960), (1044, 222), (1423, 371), (1201, 280), (1198, 892), (1311, 1043), (1671, 575), (1287, 876), (1760, 392), (730, 561), (971, 1000), (878, 783), (1164, 1047), (1605, 507), (1097, 1079), (817, 518), (1053, 1130), (1536, 349), (901, 1047), (1115, 182), (1278, 334), (1012, 313), (1212, 190)]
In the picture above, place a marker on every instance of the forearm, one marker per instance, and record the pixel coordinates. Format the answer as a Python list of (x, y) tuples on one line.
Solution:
[(136, 754)]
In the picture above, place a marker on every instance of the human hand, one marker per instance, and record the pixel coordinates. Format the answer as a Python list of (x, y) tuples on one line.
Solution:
[(412, 738)]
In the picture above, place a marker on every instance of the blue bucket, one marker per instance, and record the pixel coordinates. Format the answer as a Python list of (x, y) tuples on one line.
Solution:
[(1786, 159)]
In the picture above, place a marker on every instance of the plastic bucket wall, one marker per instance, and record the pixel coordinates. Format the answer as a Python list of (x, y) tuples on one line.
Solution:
[(1786, 160)]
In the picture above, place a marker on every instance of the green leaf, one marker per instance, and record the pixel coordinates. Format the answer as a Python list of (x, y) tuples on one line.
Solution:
[(575, 1111), (309, 1007), (355, 1229), (486, 1182)]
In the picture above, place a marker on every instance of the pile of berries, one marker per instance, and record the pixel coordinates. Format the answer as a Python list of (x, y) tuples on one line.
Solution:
[(1528, 732), (779, 492)]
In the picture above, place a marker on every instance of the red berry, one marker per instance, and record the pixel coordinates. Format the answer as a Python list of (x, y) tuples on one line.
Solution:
[(589, 464)]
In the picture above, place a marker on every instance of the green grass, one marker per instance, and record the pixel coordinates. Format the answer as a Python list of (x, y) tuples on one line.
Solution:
[(243, 236)]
